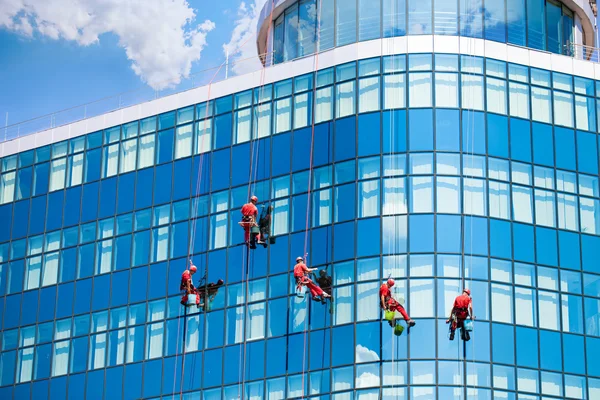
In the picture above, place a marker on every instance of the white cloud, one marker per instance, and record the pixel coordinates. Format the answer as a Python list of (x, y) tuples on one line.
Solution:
[(243, 56), (364, 354), (160, 37)]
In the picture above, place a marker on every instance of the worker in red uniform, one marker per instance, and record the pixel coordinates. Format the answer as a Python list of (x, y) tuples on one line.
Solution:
[(388, 303), (249, 217), (187, 284), (302, 279), (461, 310)]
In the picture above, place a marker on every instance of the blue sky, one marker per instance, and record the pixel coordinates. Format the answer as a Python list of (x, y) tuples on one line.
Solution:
[(53, 60)]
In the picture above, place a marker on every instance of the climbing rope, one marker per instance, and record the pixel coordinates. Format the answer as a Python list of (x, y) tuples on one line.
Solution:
[(308, 199)]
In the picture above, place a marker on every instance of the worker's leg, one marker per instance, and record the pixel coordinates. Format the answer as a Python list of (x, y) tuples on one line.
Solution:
[(314, 289), (402, 311)]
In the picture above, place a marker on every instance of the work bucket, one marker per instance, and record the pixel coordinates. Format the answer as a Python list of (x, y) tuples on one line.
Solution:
[(272, 239), (389, 315), (398, 330), (468, 325), (191, 300)]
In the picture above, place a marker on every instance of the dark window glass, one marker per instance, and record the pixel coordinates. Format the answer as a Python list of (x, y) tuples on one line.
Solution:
[(179, 239), (421, 233), (281, 147), (590, 251), (321, 246), (212, 366), (500, 239), (569, 250), (120, 285), (138, 284), (101, 292), (182, 172), (42, 154), (301, 140), (92, 165), (72, 206), (153, 374), (344, 202), (573, 354), (523, 238), (157, 280), (592, 348), (163, 184), (6, 218), (546, 246), (343, 241), (58, 388), (497, 135), (83, 297), (68, 264), (95, 384), (345, 138), (29, 307), (565, 148), (220, 170), (262, 160), (369, 126), (126, 190), (90, 202), (11, 319), (448, 234), (24, 177), (55, 210), (223, 104), (25, 158), (475, 235), (65, 300), (37, 217), (587, 153), (369, 233), (40, 179), (420, 129), (21, 216), (223, 126), (133, 387), (143, 188), (7, 373), (240, 164), (543, 146), (520, 140), (503, 344), (108, 196), (164, 152), (46, 304)]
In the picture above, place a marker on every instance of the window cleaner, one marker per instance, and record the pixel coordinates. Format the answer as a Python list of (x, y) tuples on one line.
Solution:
[(211, 290), (301, 272), (326, 283), (461, 310), (248, 222), (389, 304), (264, 225), (191, 293)]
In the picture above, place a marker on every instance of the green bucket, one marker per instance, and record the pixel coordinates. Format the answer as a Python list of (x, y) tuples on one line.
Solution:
[(398, 330), (389, 315)]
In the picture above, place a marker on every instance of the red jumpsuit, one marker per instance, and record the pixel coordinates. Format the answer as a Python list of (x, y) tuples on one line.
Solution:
[(460, 309), (300, 270), (249, 215), (393, 305), (185, 277)]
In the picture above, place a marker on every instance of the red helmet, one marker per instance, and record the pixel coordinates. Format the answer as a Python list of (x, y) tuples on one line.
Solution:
[(467, 291), (193, 269), (254, 199), (390, 282)]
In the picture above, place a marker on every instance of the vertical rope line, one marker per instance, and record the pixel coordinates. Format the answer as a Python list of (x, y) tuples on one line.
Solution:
[(319, 4)]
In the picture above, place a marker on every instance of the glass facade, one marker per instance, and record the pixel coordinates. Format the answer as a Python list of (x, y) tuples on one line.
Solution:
[(439, 170), (538, 24)]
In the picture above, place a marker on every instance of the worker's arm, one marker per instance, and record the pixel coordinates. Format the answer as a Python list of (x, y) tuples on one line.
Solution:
[(383, 305), (188, 286), (471, 310)]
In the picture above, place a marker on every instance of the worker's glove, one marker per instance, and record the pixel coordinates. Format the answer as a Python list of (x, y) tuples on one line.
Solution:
[(447, 321)]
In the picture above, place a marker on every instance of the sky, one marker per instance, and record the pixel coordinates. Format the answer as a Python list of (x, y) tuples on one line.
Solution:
[(59, 54)]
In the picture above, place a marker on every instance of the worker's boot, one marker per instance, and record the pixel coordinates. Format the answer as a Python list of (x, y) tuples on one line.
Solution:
[(410, 323), (452, 335), (465, 335)]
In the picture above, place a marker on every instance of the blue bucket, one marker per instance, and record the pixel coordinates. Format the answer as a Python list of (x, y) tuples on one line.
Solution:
[(468, 325), (191, 301)]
